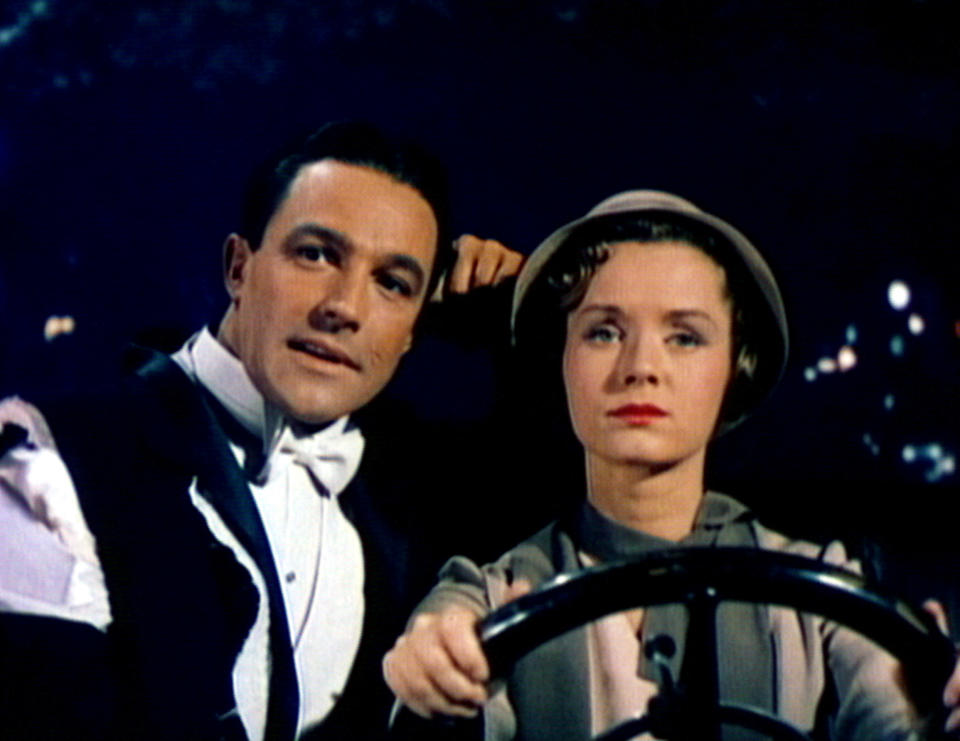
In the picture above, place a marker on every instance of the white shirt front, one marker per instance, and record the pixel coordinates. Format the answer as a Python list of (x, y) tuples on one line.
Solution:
[(316, 549)]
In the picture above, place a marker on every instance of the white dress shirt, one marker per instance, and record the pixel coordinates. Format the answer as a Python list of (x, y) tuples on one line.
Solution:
[(48, 563), (315, 548)]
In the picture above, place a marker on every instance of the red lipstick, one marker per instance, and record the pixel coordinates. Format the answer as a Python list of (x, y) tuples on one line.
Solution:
[(638, 414)]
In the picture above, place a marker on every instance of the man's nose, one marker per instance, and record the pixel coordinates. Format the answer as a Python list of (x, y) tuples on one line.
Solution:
[(343, 305)]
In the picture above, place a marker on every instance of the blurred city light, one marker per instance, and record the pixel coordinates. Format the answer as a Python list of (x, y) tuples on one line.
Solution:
[(940, 463), (826, 365), (915, 324), (898, 294), (58, 325), (846, 358)]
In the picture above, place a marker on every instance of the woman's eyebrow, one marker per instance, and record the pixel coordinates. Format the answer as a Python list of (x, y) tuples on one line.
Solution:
[(611, 309), (680, 314)]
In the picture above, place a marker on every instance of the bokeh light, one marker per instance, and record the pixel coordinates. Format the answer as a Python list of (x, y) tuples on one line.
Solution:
[(915, 324), (56, 326), (898, 294), (939, 463), (846, 358)]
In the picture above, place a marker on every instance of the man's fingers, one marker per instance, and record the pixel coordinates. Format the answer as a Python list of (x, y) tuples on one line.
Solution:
[(461, 275), (509, 266), (481, 262), (488, 259)]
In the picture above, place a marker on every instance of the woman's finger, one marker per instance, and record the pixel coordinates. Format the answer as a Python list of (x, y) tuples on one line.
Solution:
[(459, 635)]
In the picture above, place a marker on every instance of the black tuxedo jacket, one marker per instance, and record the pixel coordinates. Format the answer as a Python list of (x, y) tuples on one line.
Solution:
[(182, 606)]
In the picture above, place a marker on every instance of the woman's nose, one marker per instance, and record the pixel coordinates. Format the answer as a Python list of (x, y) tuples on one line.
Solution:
[(641, 362)]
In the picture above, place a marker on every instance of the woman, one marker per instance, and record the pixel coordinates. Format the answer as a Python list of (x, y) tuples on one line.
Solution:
[(674, 331)]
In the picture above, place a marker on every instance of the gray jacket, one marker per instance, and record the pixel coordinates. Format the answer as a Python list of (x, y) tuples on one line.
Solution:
[(775, 658)]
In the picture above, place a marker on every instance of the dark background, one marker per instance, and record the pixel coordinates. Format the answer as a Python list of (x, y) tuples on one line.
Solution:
[(825, 130)]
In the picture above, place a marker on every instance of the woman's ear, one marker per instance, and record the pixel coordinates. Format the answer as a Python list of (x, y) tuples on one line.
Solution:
[(236, 257), (746, 365)]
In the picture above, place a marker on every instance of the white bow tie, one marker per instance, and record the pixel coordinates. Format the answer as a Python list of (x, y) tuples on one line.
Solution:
[(332, 456)]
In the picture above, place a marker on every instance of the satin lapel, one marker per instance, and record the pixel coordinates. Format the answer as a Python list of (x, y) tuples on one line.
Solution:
[(222, 483)]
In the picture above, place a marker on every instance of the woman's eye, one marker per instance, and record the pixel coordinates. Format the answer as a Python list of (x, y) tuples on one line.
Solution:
[(602, 333), (686, 339)]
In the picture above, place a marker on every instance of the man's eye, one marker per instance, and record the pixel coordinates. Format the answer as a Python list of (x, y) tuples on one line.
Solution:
[(318, 253), (602, 334), (396, 285), (393, 284)]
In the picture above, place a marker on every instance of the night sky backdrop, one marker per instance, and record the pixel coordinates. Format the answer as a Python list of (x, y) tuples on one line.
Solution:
[(825, 130)]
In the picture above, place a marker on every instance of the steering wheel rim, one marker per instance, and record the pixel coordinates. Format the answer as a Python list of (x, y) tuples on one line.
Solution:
[(708, 576)]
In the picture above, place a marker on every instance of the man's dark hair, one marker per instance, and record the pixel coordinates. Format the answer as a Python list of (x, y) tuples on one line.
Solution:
[(353, 143)]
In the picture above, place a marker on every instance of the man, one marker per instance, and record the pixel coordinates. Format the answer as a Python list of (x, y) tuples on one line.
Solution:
[(244, 582)]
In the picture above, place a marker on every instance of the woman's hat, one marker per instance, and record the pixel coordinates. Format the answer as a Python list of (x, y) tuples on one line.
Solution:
[(737, 255)]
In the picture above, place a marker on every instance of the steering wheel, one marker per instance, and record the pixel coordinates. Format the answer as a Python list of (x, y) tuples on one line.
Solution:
[(703, 578)]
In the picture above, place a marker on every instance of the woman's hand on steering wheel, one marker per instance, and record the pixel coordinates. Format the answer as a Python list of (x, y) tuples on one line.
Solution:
[(951, 693), (438, 666)]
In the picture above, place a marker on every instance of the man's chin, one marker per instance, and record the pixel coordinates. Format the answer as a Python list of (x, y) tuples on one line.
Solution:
[(312, 416)]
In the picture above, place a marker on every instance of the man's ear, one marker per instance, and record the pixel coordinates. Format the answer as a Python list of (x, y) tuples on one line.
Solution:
[(407, 344), (236, 257)]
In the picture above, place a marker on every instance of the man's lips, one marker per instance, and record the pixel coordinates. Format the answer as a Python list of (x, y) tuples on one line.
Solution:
[(637, 411), (324, 351)]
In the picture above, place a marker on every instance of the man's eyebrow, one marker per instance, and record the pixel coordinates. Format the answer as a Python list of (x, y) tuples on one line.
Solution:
[(324, 233)]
